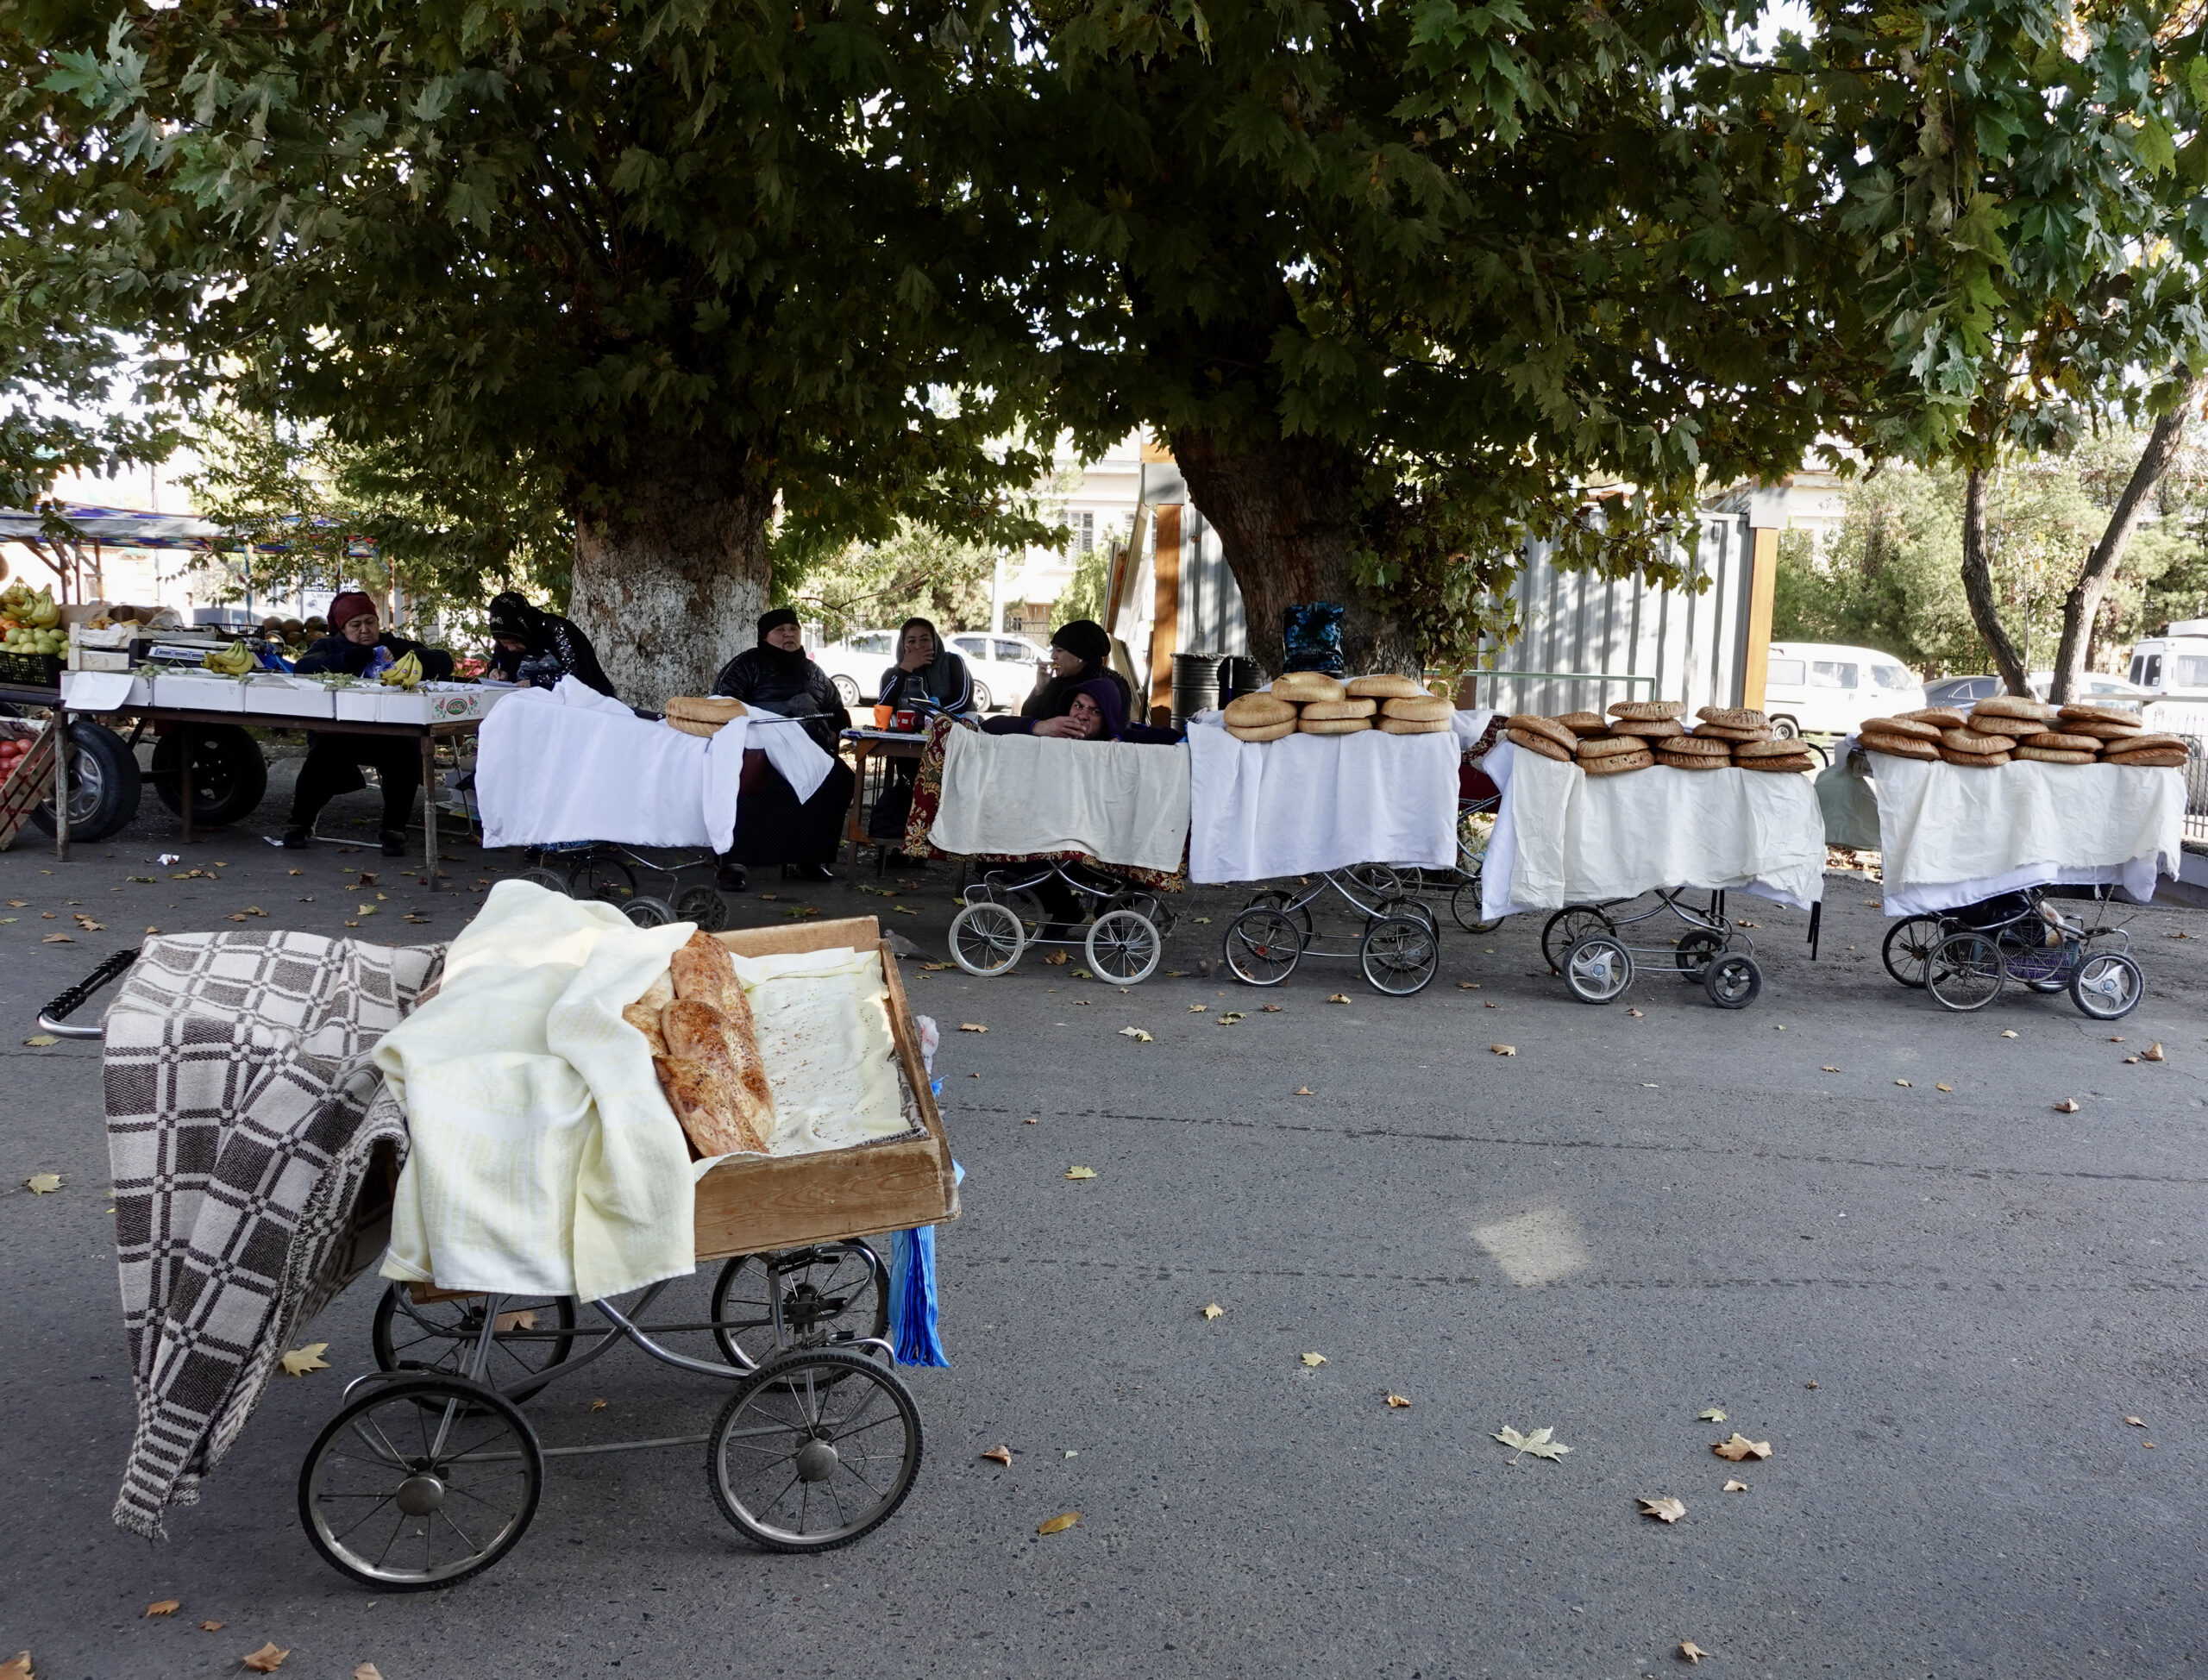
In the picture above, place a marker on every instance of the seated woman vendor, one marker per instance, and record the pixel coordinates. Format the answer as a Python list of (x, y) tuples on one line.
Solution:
[(1096, 711), (925, 671), (1080, 652), (536, 649), (771, 825), (333, 762)]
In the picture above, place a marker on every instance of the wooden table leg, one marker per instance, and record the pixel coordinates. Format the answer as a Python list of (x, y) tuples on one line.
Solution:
[(860, 751), (429, 812), (183, 802)]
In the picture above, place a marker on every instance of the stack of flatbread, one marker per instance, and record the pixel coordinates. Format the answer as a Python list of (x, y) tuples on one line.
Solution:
[(702, 714), (699, 1025), (1637, 734), (2006, 728), (1312, 703)]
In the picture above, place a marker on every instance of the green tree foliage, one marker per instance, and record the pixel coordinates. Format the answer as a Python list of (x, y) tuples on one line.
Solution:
[(917, 572)]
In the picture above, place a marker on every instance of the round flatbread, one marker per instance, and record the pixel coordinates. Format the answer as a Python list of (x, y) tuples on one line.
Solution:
[(1386, 687), (1310, 725), (2154, 758), (1792, 765), (1538, 743), (2049, 741), (1259, 710), (1969, 741), (2103, 731), (1733, 716), (1617, 764), (2054, 755), (2097, 714), (1900, 746), (1412, 726), (1609, 746), (1746, 750), (1584, 723), (1728, 732), (1425, 708), (1301, 686), (1940, 716), (1547, 728), (1328, 712), (1689, 761), (2148, 744), (1921, 730), (1649, 711), (2015, 706), (1998, 723), (1649, 729), (1973, 760), (1697, 746), (1262, 731)]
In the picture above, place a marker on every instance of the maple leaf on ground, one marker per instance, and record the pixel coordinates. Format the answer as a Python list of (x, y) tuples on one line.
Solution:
[(1059, 1524), (1736, 1488), (266, 1660), (42, 1184), (1503, 1049), (1664, 1509), (1214, 1311), (161, 1607), (1693, 1652), (301, 1360), (1742, 1447), (1315, 1359), (1135, 1033), (1541, 1444), (999, 1455), (1081, 1172), (1715, 1414), (1397, 1401), (17, 1667)]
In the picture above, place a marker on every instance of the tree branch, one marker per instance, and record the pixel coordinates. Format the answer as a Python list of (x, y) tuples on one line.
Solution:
[(1978, 588)]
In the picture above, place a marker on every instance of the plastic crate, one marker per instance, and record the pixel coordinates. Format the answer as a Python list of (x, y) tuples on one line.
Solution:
[(41, 670)]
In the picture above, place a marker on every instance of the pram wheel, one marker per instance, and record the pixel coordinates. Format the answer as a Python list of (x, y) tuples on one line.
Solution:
[(1263, 946), (2107, 986), (550, 880), (832, 1291), (1400, 953), (1597, 968), (420, 1483), (648, 911), (1908, 950), (986, 940), (1732, 981), (1694, 951), (1965, 972), (825, 1427), (439, 1337), (1567, 928), (1124, 947), (605, 878), (704, 906), (1464, 908), (1274, 899)]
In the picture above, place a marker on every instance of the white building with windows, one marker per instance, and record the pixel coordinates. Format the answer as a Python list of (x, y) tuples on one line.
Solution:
[(1096, 500)]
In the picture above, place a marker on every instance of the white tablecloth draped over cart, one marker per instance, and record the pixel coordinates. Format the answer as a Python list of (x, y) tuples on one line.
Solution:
[(1563, 836), (1307, 803), (1950, 837), (556, 766), (1017, 795)]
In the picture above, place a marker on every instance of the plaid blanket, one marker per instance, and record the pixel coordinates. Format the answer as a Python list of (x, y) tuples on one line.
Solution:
[(244, 1117)]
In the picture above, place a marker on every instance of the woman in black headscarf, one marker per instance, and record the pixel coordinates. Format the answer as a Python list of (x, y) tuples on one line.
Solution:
[(772, 826), (925, 670), (1080, 652), (530, 645)]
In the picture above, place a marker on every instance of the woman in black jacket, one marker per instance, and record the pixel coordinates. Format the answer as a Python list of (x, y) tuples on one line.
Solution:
[(772, 825), (333, 762), (1080, 652), (532, 646)]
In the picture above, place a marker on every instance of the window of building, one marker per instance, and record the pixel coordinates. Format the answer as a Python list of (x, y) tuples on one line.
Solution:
[(1084, 531)]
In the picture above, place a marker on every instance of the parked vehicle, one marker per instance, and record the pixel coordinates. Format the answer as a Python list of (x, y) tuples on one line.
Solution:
[(1003, 667), (1822, 688), (2095, 686), (2173, 665), (855, 665)]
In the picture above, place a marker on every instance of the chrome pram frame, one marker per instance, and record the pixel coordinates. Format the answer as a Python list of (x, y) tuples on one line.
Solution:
[(1397, 945), (1123, 943), (606, 870), (1584, 942)]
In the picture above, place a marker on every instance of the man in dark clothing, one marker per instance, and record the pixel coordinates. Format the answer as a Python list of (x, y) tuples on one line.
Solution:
[(1080, 652), (771, 825), (332, 761), (530, 645)]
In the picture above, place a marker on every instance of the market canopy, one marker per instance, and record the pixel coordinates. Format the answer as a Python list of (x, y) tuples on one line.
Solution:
[(128, 528)]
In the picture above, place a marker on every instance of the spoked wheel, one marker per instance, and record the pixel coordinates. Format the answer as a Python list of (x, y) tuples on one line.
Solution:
[(1908, 950), (1965, 972), (1419, 910), (646, 910), (2107, 986), (1273, 898), (1598, 968), (1731, 980), (704, 906), (605, 878), (420, 1483), (530, 1337), (1694, 950), (1400, 955), (814, 1450), (987, 939), (1263, 946), (836, 1292), (1464, 908), (1124, 947), (550, 880), (1568, 927)]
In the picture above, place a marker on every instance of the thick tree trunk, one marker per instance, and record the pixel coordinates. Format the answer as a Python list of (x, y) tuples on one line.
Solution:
[(2083, 604), (1978, 588), (1283, 510), (670, 586)]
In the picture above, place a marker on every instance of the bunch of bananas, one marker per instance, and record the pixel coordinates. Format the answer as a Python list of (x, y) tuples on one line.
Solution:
[(405, 673), (30, 621), (234, 660)]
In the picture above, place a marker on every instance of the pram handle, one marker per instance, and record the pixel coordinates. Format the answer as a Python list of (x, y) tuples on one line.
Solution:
[(54, 1017)]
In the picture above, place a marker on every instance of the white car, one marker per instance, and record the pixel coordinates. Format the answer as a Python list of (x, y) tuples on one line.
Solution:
[(855, 665), (1002, 666), (1818, 688)]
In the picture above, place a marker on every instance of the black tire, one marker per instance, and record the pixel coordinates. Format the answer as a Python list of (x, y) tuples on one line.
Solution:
[(982, 698), (1400, 955), (105, 784), (645, 911), (830, 1294), (1694, 952), (1568, 927), (229, 776), (1261, 946), (438, 1338), (832, 1398), (550, 880), (1967, 972), (1785, 729), (1464, 907), (487, 1439), (1274, 899), (1733, 980), (1908, 948), (704, 906), (605, 879)]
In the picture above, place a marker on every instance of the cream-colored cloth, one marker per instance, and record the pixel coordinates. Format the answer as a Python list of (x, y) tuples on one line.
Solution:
[(545, 1159), (1120, 802)]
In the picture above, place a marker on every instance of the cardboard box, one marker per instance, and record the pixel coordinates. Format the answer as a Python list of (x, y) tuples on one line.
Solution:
[(142, 691), (99, 659), (205, 693), (117, 637), (289, 697), (357, 703)]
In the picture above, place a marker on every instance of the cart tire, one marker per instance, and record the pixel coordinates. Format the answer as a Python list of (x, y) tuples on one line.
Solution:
[(704, 906), (1400, 955), (986, 939), (228, 775), (105, 784), (1731, 980), (1567, 928), (550, 880), (1908, 949), (605, 879), (825, 1424), (1124, 947), (646, 910), (1261, 946), (1598, 968), (1464, 907), (830, 1293), (437, 1337), (847, 691), (2107, 986), (373, 1497), (1274, 899), (1694, 951), (1965, 972)]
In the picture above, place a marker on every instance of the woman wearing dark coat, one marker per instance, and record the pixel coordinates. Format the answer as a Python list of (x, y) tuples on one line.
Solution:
[(925, 670), (333, 762), (772, 825), (530, 645), (1080, 652)]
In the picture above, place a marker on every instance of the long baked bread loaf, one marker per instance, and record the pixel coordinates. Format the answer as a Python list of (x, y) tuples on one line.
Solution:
[(709, 1062), (643, 1014)]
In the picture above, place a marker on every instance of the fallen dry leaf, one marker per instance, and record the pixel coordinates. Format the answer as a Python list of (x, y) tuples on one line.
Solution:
[(2153, 1052), (1272, 1009), (42, 1184), (1904, 1084), (161, 1607), (1082, 974), (214, 1626), (1468, 986), (1135, 1033), (17, 1667), (1315, 1359), (971, 1026), (1665, 1509), (1715, 1414), (1541, 1444), (1829, 1070), (1057, 960), (1736, 1488), (1944, 1088), (2067, 1106), (301, 1360), (598, 1405), (57, 939), (1397, 1401), (903, 910), (1214, 1311), (1198, 1008), (507, 1323), (1059, 1524), (1810, 1384), (367, 1672), (1742, 1447), (1693, 1652), (2136, 1423), (1635, 1013), (267, 1659), (1302, 1091), (1339, 997), (1081, 1172), (1230, 1018), (2115, 1037), (1503, 1049), (2008, 1033), (1490, 1005), (1001, 1455)]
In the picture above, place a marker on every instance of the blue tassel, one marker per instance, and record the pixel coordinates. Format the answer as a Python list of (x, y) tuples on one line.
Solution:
[(913, 1301)]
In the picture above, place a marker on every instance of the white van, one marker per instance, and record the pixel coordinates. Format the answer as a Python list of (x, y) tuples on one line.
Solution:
[(2173, 665), (1821, 688)]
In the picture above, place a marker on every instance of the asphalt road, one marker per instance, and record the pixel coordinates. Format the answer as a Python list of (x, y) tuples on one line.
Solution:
[(1939, 1306)]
